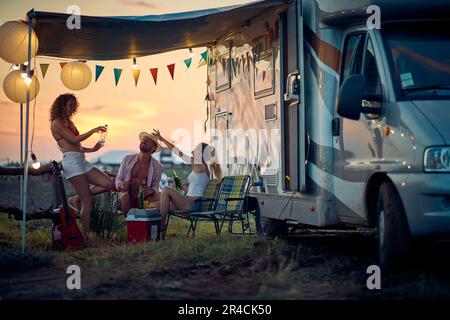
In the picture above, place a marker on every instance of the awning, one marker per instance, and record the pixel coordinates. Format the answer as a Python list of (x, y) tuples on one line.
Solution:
[(113, 38)]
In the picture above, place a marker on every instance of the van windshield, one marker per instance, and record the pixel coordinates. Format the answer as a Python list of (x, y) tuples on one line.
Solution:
[(419, 55)]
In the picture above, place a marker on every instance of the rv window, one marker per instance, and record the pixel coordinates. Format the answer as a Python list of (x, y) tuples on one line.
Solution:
[(373, 82), (353, 55)]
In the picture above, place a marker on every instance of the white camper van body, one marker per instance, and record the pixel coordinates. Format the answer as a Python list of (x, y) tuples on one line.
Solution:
[(323, 169)]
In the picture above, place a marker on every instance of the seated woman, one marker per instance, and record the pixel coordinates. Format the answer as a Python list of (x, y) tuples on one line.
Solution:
[(198, 179)]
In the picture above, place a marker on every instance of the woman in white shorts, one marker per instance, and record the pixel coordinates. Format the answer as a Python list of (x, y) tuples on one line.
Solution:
[(75, 167)]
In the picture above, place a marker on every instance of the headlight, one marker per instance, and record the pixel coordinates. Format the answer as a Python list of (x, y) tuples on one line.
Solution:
[(437, 159)]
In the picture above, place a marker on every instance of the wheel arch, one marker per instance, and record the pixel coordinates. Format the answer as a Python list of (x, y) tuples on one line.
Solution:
[(371, 195)]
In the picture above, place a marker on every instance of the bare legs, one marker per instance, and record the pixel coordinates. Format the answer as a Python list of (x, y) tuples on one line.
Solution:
[(83, 200), (126, 200), (81, 186), (169, 195)]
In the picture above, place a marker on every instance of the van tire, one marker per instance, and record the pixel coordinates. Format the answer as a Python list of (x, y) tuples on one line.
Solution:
[(271, 228), (394, 237)]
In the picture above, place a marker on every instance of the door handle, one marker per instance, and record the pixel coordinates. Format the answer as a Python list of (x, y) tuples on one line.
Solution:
[(292, 87)]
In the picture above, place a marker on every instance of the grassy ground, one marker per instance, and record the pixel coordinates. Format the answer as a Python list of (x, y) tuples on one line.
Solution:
[(311, 265)]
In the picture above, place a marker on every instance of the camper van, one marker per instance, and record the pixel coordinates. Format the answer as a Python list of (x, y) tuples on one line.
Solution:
[(340, 119)]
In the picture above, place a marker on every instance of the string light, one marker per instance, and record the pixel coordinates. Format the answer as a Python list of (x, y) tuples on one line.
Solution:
[(28, 79), (23, 68), (36, 164), (16, 67), (191, 53), (135, 65)]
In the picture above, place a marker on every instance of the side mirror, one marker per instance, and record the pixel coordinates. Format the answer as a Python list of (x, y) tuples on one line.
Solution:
[(350, 97)]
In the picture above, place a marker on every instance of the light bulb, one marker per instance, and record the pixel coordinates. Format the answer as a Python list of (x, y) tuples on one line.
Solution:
[(36, 164), (16, 67), (191, 53), (135, 65), (28, 81)]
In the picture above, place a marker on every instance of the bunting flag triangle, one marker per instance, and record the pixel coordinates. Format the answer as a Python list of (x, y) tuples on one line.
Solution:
[(62, 64), (188, 62), (117, 73), (171, 68), (98, 71), (205, 55), (44, 68), (201, 63), (136, 73), (154, 72)]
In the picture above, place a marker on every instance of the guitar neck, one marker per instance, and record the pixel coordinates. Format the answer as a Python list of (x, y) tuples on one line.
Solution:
[(61, 190)]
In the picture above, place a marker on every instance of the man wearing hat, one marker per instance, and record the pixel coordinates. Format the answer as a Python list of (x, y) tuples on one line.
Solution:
[(137, 170)]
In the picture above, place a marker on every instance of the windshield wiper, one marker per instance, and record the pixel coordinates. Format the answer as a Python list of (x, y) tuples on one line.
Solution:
[(424, 88)]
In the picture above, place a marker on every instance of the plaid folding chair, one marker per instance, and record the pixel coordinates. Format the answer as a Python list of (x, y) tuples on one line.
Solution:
[(229, 206), (205, 203)]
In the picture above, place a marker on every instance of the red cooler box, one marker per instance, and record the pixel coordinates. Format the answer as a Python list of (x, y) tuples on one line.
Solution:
[(143, 225)]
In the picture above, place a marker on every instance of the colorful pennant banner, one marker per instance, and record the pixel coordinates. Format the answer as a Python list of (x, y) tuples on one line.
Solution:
[(117, 73), (98, 71), (205, 56), (136, 73), (44, 68), (154, 72), (188, 62), (171, 68)]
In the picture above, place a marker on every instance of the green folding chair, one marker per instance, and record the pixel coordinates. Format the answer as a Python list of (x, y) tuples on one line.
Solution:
[(229, 206), (205, 203)]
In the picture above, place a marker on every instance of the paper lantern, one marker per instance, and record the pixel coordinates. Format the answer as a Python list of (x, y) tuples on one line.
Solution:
[(16, 89), (14, 42), (76, 75)]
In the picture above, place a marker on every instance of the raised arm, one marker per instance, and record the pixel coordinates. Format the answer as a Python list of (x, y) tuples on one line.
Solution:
[(60, 129), (173, 147)]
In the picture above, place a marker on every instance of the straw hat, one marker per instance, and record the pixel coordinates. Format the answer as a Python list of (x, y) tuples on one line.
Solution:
[(143, 135)]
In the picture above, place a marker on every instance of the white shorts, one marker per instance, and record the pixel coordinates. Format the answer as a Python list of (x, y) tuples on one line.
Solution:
[(74, 164)]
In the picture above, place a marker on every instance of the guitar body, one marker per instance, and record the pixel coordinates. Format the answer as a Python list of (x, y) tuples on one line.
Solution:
[(71, 237), (66, 235)]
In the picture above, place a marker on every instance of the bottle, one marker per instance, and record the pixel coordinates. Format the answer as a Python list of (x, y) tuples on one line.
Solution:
[(141, 196), (176, 180), (103, 135)]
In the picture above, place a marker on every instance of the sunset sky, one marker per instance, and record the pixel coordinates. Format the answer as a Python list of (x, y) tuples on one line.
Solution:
[(171, 105)]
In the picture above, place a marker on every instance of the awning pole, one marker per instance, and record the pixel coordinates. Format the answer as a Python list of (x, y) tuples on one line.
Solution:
[(21, 153), (27, 116)]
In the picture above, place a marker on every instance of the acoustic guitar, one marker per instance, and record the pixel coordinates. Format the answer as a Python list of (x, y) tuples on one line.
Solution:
[(70, 234)]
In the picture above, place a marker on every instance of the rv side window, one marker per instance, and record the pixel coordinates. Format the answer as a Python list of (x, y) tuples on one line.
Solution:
[(353, 55), (372, 90)]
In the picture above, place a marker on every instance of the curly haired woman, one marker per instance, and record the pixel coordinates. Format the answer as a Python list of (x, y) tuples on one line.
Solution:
[(76, 168)]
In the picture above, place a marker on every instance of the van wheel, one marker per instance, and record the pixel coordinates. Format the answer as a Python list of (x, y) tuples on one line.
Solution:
[(394, 238), (271, 228)]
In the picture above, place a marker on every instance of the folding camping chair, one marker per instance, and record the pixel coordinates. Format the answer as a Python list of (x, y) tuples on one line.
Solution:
[(205, 203), (229, 206)]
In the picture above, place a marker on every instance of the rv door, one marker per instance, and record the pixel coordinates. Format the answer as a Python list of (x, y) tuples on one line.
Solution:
[(293, 113)]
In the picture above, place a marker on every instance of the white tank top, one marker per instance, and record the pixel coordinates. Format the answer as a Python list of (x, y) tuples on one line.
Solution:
[(197, 184)]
